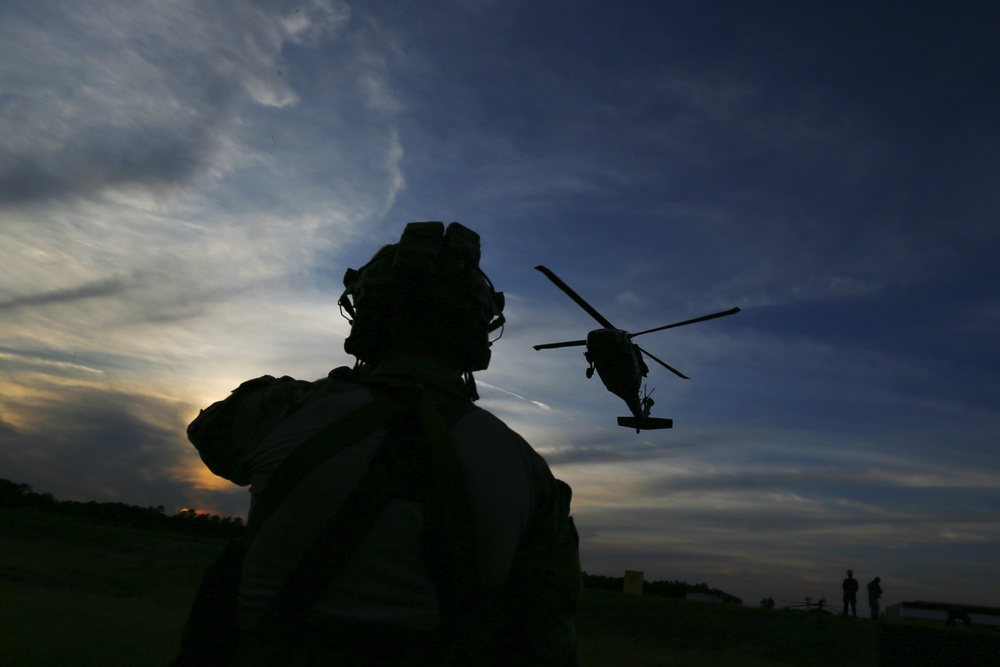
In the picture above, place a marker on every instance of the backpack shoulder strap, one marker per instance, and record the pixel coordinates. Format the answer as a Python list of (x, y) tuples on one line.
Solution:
[(450, 536), (211, 632), (320, 447), (345, 530)]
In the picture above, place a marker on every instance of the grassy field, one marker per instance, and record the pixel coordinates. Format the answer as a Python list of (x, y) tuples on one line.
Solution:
[(658, 631), (84, 594)]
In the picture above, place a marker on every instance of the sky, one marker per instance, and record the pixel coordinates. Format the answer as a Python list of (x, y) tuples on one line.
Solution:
[(183, 185)]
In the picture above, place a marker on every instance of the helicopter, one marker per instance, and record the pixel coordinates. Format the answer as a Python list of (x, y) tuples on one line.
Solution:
[(619, 362)]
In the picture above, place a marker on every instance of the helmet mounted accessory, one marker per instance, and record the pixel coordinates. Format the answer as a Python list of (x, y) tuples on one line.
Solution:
[(425, 294)]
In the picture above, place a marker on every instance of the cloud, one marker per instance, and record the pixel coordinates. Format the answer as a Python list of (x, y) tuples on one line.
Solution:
[(102, 288), (106, 158), (90, 442), (110, 103), (897, 479), (758, 540), (145, 217), (118, 444)]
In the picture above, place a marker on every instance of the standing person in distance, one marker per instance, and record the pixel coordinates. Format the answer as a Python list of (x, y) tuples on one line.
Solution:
[(874, 595), (850, 589)]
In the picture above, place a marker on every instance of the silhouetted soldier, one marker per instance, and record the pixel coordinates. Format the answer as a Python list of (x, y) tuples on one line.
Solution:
[(393, 522), (874, 593), (850, 588)]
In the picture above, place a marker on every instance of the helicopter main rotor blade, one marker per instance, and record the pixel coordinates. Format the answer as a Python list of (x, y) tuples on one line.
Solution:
[(576, 297), (665, 365), (724, 313), (569, 343)]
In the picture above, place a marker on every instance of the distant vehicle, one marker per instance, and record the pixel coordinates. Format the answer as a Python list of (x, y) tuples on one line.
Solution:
[(619, 362), (807, 604)]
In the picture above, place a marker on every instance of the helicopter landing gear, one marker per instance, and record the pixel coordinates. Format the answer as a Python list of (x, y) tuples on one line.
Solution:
[(590, 372)]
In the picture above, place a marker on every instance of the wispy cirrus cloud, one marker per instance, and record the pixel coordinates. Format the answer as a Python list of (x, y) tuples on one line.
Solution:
[(101, 288)]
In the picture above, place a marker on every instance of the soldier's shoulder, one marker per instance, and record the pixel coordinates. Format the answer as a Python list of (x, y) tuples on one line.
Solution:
[(482, 420), (227, 431)]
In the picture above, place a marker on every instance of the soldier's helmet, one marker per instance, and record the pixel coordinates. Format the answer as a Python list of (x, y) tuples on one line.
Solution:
[(426, 295)]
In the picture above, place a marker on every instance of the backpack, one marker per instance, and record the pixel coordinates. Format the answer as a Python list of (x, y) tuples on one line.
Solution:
[(211, 635), (529, 622)]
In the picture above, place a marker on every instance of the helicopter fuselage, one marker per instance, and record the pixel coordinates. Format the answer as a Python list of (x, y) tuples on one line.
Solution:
[(619, 363)]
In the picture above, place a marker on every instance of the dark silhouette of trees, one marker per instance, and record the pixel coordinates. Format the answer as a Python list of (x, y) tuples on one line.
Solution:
[(14, 495), (191, 522), (667, 589), (21, 495)]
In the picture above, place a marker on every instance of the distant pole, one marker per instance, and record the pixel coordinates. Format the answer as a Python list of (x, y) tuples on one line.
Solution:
[(633, 582)]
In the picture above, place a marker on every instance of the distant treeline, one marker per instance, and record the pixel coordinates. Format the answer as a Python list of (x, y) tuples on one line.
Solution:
[(665, 589), (14, 495)]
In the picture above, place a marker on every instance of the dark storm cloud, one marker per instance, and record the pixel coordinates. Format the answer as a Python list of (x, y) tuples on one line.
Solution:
[(100, 288), (153, 295), (114, 158), (86, 443)]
